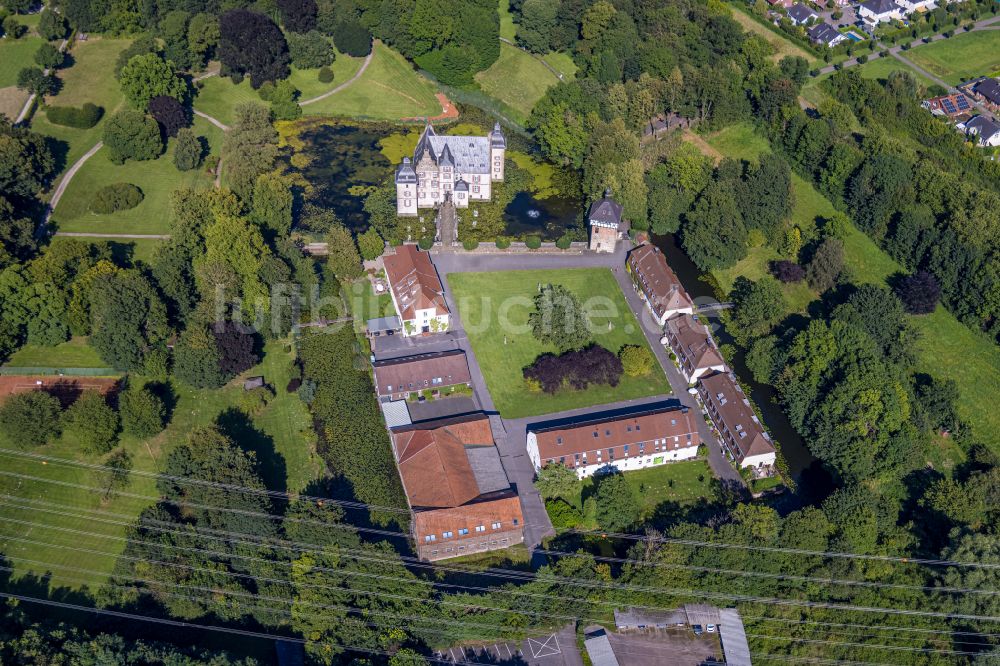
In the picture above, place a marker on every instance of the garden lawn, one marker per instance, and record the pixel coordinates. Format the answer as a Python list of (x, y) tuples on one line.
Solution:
[(963, 57), (481, 298), (287, 460), (507, 28), (218, 96), (75, 353), (390, 89), (782, 45), (12, 100), (90, 79), (880, 68), (15, 55), (125, 251), (156, 178), (947, 349), (517, 79)]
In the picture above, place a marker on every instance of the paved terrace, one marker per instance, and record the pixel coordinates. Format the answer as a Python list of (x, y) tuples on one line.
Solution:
[(510, 434)]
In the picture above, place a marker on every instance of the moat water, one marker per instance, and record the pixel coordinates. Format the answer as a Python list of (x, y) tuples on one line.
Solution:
[(814, 482), (345, 159)]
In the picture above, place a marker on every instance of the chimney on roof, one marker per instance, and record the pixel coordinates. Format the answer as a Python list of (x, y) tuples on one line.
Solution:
[(684, 410), (607, 192)]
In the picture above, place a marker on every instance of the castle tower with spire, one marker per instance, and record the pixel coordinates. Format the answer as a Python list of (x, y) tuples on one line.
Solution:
[(462, 168)]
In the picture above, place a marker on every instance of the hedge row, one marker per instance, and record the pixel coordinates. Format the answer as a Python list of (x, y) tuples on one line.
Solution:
[(82, 117)]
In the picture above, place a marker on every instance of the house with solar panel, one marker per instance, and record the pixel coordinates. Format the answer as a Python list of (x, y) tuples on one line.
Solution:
[(453, 168), (950, 106)]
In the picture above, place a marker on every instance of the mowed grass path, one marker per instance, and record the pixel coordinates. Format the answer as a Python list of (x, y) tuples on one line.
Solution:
[(964, 56), (947, 349), (45, 533), (390, 89), (90, 79), (495, 306), (516, 79), (156, 178)]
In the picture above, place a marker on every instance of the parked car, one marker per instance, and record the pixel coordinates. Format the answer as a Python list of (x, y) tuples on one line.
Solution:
[(711, 628), (697, 629)]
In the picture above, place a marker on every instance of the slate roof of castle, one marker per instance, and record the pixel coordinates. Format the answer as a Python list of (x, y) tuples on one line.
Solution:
[(606, 211), (467, 154)]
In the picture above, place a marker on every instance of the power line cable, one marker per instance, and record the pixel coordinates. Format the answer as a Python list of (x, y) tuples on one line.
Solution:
[(601, 533), (733, 572)]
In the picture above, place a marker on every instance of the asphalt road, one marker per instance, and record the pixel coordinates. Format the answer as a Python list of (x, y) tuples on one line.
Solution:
[(510, 434)]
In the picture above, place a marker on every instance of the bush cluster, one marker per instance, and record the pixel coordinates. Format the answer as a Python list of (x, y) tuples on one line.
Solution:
[(576, 369), (80, 117), (116, 197)]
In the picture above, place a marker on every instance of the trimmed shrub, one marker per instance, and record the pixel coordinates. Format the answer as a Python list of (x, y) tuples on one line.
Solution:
[(564, 242), (533, 242), (80, 117), (116, 197), (426, 242), (470, 244), (325, 75), (503, 242)]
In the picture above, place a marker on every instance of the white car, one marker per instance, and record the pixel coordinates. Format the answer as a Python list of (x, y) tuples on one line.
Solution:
[(710, 628)]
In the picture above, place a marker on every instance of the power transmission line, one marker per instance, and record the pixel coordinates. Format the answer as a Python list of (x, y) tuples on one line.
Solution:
[(689, 567), (601, 533)]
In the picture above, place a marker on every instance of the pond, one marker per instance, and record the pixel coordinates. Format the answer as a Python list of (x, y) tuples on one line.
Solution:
[(343, 158), (550, 217), (802, 464)]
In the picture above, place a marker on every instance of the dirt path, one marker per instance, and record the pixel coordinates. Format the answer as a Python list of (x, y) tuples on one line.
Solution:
[(61, 188), (364, 66), (448, 110)]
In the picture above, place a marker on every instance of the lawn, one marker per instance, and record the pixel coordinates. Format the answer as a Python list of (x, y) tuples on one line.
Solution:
[(75, 353), (90, 79), (390, 89), (218, 96), (507, 28), (562, 62), (12, 100), (960, 58), (156, 178), (683, 483), (880, 68), (494, 309), (15, 55), (947, 349), (365, 304), (782, 46), (517, 79), (281, 436)]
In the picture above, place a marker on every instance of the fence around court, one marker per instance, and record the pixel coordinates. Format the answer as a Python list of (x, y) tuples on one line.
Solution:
[(8, 370)]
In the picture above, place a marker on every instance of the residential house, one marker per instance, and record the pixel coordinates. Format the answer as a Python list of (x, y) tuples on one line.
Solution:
[(800, 14), (873, 12), (416, 291), (459, 168), (950, 106), (741, 432), (986, 130), (396, 378), (606, 224), (781, 3), (657, 284), (916, 6), (826, 34), (455, 484), (987, 91), (692, 344), (645, 438)]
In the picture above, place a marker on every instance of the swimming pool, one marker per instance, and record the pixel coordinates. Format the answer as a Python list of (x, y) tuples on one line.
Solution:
[(854, 37)]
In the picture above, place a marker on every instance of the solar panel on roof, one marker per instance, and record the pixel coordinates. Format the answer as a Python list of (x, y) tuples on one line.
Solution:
[(948, 106), (963, 103)]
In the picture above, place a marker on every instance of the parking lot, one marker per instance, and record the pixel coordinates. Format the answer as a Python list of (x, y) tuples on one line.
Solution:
[(557, 649)]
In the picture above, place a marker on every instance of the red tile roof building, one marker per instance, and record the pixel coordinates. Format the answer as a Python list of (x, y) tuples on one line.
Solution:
[(627, 442), (416, 291), (657, 284), (461, 499), (693, 346), (739, 428)]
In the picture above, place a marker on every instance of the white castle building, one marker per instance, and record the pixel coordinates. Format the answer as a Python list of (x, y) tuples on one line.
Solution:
[(460, 168)]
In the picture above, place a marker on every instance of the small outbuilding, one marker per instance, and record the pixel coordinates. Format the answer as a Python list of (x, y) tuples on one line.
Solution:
[(253, 383)]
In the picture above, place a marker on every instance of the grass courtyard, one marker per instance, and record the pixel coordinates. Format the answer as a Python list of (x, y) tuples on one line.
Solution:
[(964, 56), (282, 437), (494, 309), (947, 349)]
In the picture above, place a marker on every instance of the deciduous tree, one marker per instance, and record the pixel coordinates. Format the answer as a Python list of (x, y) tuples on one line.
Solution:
[(132, 135), (251, 44), (29, 419), (147, 76), (93, 422), (558, 319)]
